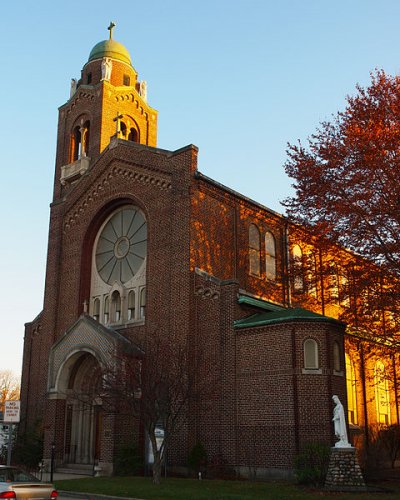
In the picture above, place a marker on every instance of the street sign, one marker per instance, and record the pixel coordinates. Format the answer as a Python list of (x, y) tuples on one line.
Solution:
[(11, 412)]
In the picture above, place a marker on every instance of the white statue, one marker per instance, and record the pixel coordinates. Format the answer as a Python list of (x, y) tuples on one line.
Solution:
[(74, 84), (143, 90), (106, 67), (339, 422)]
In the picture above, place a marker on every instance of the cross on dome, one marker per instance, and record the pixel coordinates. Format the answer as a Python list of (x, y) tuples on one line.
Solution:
[(110, 28)]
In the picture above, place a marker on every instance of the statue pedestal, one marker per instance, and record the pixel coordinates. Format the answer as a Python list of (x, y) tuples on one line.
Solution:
[(344, 473)]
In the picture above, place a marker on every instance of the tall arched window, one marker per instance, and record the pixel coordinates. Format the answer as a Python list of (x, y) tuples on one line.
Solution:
[(381, 394), (106, 309), (298, 272), (75, 145), (344, 289), (79, 145), (254, 250), (333, 283), (123, 130), (85, 138), (133, 135), (312, 275), (143, 303), (270, 256), (131, 305), (115, 307), (351, 391), (311, 357), (96, 309)]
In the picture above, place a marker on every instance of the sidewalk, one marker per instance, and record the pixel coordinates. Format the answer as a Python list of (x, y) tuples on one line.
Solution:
[(58, 476)]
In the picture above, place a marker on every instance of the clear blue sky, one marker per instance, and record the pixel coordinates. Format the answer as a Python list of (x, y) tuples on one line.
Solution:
[(237, 78)]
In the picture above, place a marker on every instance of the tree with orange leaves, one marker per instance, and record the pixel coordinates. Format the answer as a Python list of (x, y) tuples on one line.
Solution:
[(347, 179), (9, 387)]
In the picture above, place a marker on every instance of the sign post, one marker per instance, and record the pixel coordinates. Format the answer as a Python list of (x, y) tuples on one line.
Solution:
[(11, 416)]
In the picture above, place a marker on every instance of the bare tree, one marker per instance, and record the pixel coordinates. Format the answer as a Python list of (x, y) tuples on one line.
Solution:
[(155, 387)]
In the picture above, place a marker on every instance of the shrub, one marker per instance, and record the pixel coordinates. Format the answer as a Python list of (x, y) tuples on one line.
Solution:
[(128, 461), (28, 449), (197, 459), (312, 464)]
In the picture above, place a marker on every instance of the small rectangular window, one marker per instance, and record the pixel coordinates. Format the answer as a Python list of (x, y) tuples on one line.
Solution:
[(127, 80), (89, 78)]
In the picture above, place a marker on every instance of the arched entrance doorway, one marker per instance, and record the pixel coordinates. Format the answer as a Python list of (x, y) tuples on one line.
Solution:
[(83, 411), (80, 423)]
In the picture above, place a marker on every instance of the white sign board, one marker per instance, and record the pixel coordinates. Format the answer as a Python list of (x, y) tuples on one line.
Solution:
[(11, 412)]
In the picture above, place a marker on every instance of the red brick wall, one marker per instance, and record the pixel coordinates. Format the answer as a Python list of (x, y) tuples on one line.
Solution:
[(220, 239)]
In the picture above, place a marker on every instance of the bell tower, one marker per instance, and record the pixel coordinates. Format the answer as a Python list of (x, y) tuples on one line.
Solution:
[(108, 101)]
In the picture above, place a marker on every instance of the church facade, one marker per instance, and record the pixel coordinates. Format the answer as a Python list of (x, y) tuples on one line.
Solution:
[(141, 242)]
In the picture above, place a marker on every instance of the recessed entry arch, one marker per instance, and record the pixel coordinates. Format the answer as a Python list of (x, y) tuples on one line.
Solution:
[(67, 376)]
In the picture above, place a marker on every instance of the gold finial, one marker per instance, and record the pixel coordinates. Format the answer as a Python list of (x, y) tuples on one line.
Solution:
[(110, 28)]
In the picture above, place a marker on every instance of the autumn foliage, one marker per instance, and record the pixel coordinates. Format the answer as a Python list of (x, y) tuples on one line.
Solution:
[(347, 178), (9, 387)]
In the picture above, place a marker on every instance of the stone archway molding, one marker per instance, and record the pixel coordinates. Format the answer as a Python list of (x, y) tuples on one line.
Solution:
[(85, 336)]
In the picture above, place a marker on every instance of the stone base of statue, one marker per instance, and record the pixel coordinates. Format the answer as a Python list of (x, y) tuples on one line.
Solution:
[(344, 473)]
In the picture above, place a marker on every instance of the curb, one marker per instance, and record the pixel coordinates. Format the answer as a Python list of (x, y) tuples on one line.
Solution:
[(92, 496)]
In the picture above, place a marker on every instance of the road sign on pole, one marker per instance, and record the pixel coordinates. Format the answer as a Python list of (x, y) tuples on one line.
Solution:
[(11, 412), (11, 416)]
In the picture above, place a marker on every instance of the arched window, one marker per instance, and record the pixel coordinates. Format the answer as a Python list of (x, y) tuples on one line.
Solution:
[(106, 309), (96, 309), (133, 135), (312, 275), (298, 272), (254, 250), (123, 130), (351, 391), (75, 145), (143, 303), (311, 358), (334, 283), (79, 146), (119, 266), (116, 306), (381, 394), (85, 138), (344, 289), (270, 256), (131, 305), (336, 357)]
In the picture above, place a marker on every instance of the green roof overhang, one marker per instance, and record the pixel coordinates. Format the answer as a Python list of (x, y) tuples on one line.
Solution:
[(274, 314), (261, 304)]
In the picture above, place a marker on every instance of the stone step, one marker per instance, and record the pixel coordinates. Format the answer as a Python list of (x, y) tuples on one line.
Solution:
[(77, 469)]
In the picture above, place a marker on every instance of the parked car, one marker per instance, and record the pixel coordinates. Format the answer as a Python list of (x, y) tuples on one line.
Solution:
[(18, 484)]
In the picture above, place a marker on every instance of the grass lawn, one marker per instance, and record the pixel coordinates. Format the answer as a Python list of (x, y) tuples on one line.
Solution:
[(192, 489)]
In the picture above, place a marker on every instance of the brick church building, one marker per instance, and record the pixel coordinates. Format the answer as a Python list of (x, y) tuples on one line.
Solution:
[(141, 241)]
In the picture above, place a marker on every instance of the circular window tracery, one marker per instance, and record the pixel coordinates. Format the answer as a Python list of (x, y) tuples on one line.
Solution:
[(122, 246)]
